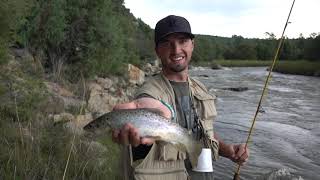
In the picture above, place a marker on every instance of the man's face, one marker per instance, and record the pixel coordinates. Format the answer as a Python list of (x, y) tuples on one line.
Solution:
[(175, 51)]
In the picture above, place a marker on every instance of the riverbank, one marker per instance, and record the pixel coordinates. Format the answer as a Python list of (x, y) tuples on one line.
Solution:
[(299, 67), (306, 68)]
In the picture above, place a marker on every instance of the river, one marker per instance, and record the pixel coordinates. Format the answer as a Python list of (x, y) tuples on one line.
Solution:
[(287, 132)]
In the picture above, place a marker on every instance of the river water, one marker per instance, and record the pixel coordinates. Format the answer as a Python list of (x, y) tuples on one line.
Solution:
[(286, 134)]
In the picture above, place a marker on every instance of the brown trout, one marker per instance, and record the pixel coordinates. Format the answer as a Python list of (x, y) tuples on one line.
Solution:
[(149, 124)]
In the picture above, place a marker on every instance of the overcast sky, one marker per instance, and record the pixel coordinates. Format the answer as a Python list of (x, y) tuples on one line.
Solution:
[(248, 18)]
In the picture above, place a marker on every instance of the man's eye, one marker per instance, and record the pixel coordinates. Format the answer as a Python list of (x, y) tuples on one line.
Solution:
[(183, 41), (164, 43)]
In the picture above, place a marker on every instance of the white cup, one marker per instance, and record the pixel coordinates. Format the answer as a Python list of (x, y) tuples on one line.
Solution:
[(204, 161)]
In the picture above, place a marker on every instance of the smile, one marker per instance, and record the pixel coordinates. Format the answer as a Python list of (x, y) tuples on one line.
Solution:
[(179, 58)]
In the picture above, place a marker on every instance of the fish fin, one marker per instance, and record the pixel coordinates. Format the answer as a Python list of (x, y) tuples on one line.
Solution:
[(157, 138)]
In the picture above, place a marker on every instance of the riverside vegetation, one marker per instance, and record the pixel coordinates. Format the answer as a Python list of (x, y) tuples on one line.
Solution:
[(71, 41), (301, 67)]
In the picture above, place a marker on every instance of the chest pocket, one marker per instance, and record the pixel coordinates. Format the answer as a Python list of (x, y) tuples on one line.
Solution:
[(205, 106), (207, 111)]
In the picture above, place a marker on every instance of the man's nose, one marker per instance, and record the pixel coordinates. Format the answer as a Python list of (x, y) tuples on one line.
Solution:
[(175, 46)]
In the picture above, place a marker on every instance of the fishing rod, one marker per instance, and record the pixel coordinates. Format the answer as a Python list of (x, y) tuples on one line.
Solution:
[(237, 173)]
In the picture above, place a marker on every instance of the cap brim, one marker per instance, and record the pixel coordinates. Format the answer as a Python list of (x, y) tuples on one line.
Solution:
[(167, 34)]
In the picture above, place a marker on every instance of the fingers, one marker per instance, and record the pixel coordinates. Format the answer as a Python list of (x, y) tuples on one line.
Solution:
[(124, 134), (242, 154), (130, 105), (147, 141), (115, 136), (153, 104), (134, 138), (240, 150), (146, 102), (128, 134)]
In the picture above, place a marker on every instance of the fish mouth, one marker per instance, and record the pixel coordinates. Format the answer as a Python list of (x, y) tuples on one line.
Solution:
[(88, 127)]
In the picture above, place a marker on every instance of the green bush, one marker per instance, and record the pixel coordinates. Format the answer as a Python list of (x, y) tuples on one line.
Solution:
[(308, 68)]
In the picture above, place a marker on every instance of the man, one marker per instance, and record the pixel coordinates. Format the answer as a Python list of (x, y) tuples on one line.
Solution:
[(185, 100)]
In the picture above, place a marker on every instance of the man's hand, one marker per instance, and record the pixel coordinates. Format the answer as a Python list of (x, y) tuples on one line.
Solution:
[(128, 134), (235, 152), (240, 154)]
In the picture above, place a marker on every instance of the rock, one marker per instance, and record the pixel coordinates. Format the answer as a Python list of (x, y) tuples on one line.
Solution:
[(58, 90), (61, 99), (215, 66), (63, 117), (261, 110), (20, 53), (280, 174), (54, 105), (73, 123), (317, 74), (82, 120), (105, 82), (135, 75), (102, 101), (238, 89), (203, 75), (95, 89), (115, 79), (156, 62), (151, 70), (113, 90)]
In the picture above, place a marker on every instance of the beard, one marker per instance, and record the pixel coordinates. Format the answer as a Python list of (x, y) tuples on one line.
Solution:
[(178, 68)]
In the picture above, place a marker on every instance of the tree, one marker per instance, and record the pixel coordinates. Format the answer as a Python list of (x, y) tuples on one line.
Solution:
[(270, 35), (289, 50), (264, 50), (312, 48)]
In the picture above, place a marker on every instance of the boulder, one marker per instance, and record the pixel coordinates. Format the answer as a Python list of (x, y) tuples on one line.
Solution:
[(106, 83), (135, 75), (60, 99), (58, 90), (151, 70), (63, 117), (237, 89), (102, 100)]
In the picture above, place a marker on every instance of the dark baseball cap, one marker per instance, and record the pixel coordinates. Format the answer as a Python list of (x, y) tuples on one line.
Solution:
[(171, 24)]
